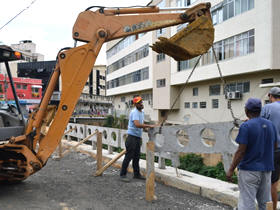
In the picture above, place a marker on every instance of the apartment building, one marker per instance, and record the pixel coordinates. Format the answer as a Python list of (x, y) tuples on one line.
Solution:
[(29, 54), (247, 46), (93, 100)]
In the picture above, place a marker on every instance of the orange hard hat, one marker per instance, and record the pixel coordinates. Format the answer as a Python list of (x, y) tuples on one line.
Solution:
[(137, 99)]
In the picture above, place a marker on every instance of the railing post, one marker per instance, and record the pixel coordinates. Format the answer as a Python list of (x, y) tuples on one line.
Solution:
[(110, 149), (161, 162)]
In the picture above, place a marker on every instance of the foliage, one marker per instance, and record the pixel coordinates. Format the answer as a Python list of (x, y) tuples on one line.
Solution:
[(109, 121), (191, 162), (116, 122), (194, 163)]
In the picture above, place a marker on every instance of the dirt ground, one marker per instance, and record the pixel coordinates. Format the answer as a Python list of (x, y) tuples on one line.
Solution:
[(69, 184)]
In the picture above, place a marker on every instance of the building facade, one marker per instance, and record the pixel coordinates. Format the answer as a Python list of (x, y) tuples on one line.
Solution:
[(247, 47), (29, 91), (29, 54), (93, 100)]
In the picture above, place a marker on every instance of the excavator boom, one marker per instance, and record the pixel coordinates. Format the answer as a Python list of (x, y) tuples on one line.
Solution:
[(24, 155)]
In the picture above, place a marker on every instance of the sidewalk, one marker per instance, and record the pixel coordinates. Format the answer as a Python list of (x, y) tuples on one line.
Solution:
[(220, 191)]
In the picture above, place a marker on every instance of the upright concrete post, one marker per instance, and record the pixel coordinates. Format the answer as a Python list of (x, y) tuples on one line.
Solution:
[(161, 162), (150, 171), (110, 149), (99, 150), (93, 144)]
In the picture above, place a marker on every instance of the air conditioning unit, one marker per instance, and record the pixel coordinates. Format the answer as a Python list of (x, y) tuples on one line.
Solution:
[(234, 95)]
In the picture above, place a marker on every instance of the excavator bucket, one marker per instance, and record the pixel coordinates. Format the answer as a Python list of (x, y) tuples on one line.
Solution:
[(192, 41)]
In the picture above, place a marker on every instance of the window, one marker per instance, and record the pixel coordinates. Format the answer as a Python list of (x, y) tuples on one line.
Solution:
[(214, 90), (145, 97), (18, 86), (238, 45), (160, 32), (123, 99), (217, 15), (243, 87), (232, 8), (136, 76), (266, 81), (229, 48), (160, 57), (24, 87), (120, 45), (195, 91), (187, 105), (215, 103), (182, 65), (202, 104), (160, 83), (218, 46), (251, 41), (1, 88), (136, 55), (194, 105)]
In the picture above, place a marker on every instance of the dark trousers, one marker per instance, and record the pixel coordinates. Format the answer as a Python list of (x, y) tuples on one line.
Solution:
[(132, 145)]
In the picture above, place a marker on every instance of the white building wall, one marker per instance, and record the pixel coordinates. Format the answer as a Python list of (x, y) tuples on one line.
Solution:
[(263, 63), (259, 19), (221, 114), (142, 63)]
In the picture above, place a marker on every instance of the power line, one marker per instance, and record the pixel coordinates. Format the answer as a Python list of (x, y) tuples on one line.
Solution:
[(18, 14)]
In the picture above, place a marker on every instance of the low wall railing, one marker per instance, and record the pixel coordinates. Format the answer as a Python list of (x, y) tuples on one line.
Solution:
[(169, 141)]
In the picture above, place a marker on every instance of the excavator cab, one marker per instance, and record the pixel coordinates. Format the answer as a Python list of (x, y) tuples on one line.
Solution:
[(11, 116)]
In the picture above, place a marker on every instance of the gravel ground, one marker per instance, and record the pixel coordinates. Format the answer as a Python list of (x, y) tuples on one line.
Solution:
[(69, 184)]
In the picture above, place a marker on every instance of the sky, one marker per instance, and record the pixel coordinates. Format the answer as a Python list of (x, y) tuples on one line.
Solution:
[(48, 23)]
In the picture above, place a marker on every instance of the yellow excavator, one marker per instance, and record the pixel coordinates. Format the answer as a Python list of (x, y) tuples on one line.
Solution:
[(23, 155)]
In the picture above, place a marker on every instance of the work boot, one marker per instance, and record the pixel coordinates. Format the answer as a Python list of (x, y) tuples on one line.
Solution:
[(124, 178), (139, 176)]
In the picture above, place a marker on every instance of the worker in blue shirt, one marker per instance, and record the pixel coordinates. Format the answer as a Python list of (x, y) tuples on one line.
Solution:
[(271, 112), (257, 139), (133, 141)]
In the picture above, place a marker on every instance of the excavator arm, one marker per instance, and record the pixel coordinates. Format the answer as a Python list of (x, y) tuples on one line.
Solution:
[(28, 153)]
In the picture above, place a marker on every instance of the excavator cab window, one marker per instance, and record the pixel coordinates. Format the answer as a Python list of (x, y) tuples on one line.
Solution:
[(11, 117)]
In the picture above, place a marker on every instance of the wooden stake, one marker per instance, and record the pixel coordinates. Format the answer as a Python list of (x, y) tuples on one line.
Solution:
[(150, 168), (74, 147), (100, 171), (60, 150), (99, 151), (269, 205)]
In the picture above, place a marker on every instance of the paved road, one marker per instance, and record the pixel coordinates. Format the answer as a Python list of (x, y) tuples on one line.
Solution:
[(69, 184)]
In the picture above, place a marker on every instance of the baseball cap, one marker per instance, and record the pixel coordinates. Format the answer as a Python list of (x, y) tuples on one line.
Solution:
[(137, 99), (253, 104), (275, 91)]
